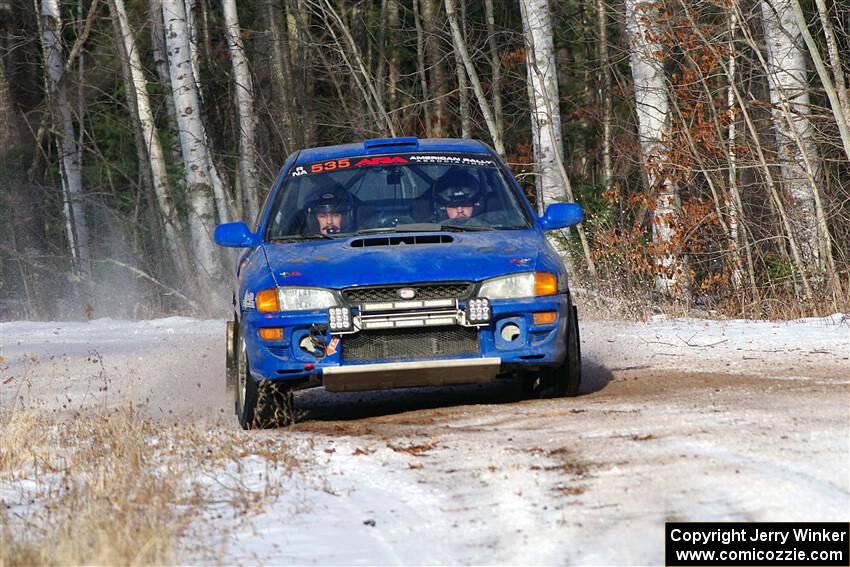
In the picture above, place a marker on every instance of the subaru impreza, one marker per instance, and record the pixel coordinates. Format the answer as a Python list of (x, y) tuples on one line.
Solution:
[(397, 263)]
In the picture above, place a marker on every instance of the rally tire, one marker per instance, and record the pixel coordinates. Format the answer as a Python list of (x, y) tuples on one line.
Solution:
[(245, 393), (259, 405), (564, 379), (570, 379), (230, 358)]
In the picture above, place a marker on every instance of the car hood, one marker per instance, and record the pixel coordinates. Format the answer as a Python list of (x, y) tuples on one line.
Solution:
[(469, 256)]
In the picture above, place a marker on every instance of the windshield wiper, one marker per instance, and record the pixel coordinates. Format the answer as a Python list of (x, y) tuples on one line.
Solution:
[(429, 227), (410, 227), (464, 228), (299, 237)]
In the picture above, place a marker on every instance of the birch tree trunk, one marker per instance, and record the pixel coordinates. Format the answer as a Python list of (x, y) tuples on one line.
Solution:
[(734, 203), (153, 147), (543, 81), (652, 108), (192, 29), (245, 107), (193, 143), (160, 60), (223, 203), (554, 181), (71, 163), (789, 95)]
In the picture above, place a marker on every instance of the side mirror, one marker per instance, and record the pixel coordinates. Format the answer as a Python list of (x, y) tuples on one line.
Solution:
[(234, 235), (561, 215)]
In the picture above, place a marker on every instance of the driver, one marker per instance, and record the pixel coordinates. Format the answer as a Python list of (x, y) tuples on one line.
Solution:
[(457, 196), (331, 212)]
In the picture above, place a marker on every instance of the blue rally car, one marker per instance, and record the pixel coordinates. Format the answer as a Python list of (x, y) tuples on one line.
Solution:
[(397, 263)]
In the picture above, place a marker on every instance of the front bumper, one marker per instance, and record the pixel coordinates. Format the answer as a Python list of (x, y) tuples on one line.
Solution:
[(389, 375), (532, 346)]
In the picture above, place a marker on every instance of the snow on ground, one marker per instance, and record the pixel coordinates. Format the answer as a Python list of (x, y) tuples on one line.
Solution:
[(679, 419)]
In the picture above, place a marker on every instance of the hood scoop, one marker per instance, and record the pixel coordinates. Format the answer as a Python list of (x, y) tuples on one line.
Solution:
[(402, 240)]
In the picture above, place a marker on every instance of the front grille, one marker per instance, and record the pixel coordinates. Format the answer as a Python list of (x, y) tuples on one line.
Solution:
[(397, 344), (448, 290)]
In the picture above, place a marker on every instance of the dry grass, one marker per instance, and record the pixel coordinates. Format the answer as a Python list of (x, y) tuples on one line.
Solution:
[(116, 489)]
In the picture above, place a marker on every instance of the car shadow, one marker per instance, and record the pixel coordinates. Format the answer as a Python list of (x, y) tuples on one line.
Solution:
[(317, 404)]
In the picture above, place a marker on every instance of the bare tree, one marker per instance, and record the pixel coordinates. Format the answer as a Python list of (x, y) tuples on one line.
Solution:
[(483, 104), (605, 92), (796, 148), (834, 90), (438, 82), (282, 75), (422, 70), (462, 86), (394, 37), (357, 66), (193, 142), (835, 59), (144, 118), (495, 68), (69, 148), (652, 108), (8, 116), (553, 181), (244, 86)]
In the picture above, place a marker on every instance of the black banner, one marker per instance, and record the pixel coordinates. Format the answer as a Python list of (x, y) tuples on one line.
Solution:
[(814, 544)]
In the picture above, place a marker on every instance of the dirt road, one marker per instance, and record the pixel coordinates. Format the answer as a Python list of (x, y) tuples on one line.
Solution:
[(677, 420)]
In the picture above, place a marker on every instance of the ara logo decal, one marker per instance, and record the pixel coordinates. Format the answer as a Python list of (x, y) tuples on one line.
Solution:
[(248, 300), (289, 274), (299, 171), (521, 261), (382, 160)]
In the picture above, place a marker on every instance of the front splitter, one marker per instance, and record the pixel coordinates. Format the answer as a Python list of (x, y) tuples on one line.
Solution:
[(389, 375)]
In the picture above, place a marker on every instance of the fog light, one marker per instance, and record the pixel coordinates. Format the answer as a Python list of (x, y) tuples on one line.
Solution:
[(271, 333), (307, 345), (339, 318), (545, 317), (478, 310), (510, 332)]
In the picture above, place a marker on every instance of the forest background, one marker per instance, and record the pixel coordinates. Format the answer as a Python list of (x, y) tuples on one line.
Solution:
[(707, 140)]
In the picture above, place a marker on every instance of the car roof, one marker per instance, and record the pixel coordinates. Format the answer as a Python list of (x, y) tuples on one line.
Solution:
[(391, 146)]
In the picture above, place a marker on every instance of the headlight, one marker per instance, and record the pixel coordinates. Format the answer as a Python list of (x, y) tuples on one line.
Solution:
[(304, 298), (294, 299), (526, 284)]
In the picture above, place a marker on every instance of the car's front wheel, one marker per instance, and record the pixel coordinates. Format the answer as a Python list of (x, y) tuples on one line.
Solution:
[(259, 404), (564, 379)]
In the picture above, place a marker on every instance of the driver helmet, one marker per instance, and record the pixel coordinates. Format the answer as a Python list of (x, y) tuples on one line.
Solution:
[(456, 189), (336, 200)]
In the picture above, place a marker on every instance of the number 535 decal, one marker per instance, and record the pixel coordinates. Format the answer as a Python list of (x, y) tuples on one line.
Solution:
[(330, 165)]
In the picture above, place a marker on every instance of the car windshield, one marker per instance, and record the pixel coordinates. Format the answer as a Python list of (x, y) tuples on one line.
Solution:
[(398, 193)]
